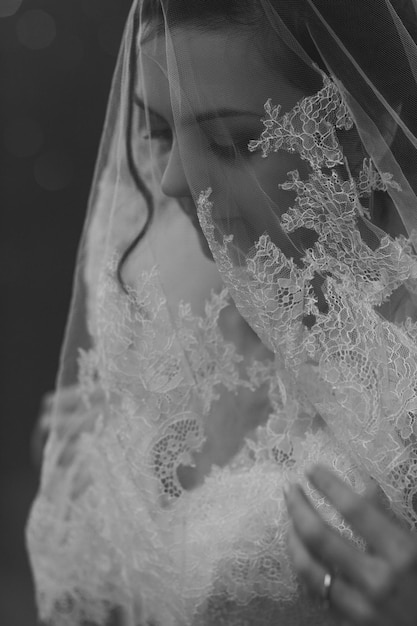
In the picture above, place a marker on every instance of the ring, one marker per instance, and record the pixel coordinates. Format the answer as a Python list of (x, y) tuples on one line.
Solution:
[(327, 585)]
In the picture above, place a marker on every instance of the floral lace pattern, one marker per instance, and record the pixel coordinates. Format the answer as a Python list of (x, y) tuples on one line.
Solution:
[(308, 129), (129, 532), (359, 368)]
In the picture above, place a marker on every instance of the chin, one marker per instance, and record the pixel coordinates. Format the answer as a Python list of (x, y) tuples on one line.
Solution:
[(189, 208)]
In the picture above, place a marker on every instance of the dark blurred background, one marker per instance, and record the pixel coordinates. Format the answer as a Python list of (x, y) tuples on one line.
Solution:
[(57, 59)]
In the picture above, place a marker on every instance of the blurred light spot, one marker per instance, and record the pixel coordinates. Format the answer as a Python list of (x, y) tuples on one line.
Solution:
[(93, 8), (100, 9), (68, 52), (109, 37), (10, 262), (23, 137), (9, 7), (53, 170), (36, 29)]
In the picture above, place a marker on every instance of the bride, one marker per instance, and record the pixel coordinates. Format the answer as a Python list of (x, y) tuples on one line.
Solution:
[(235, 414)]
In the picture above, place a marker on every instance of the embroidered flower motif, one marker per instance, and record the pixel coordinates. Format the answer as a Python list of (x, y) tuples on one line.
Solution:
[(371, 179), (308, 129)]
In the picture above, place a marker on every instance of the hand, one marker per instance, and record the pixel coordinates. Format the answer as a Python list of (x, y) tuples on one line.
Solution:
[(373, 588)]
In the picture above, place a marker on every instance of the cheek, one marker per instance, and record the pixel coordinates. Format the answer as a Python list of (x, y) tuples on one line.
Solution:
[(273, 171), (256, 202), (160, 158), (257, 189)]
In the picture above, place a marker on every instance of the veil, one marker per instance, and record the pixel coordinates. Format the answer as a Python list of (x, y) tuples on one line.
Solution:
[(245, 305)]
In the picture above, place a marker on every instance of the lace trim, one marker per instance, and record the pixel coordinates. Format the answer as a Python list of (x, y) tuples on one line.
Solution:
[(308, 129), (359, 368)]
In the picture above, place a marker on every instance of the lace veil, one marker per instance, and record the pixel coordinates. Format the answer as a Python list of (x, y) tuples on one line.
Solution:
[(245, 305)]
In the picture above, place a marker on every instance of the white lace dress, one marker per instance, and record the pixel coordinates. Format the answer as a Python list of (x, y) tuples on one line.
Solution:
[(162, 483)]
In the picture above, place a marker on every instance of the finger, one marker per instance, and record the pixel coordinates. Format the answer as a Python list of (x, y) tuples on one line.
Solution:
[(325, 543), (383, 535), (310, 572), (372, 576), (373, 493), (348, 602), (401, 602)]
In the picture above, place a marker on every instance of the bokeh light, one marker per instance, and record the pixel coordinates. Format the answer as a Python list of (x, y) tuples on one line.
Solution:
[(68, 51), (100, 9), (11, 262), (53, 170), (23, 137), (9, 7), (36, 29)]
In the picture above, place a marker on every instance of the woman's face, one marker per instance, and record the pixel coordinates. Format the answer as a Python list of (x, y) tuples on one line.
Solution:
[(204, 106)]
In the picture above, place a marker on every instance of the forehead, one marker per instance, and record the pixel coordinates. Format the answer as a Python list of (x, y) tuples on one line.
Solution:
[(213, 68)]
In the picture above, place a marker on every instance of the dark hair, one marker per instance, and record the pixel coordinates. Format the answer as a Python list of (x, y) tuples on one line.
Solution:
[(139, 183), (205, 15), (371, 22)]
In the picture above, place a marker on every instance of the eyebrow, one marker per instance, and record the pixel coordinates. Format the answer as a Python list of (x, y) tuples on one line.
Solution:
[(205, 116)]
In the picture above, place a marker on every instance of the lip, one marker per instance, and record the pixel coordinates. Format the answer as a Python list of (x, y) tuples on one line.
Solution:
[(189, 208), (236, 225)]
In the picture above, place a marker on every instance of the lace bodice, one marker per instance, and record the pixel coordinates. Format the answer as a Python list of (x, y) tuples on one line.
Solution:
[(122, 504)]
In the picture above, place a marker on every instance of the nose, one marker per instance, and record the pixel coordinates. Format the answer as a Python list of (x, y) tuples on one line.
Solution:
[(174, 183)]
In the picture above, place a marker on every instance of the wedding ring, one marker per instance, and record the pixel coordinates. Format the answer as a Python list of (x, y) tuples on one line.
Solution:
[(327, 585)]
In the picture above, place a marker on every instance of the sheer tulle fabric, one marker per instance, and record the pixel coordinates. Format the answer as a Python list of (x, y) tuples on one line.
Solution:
[(282, 147)]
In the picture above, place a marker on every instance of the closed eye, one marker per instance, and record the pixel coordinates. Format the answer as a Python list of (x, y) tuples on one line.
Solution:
[(162, 134), (231, 151)]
